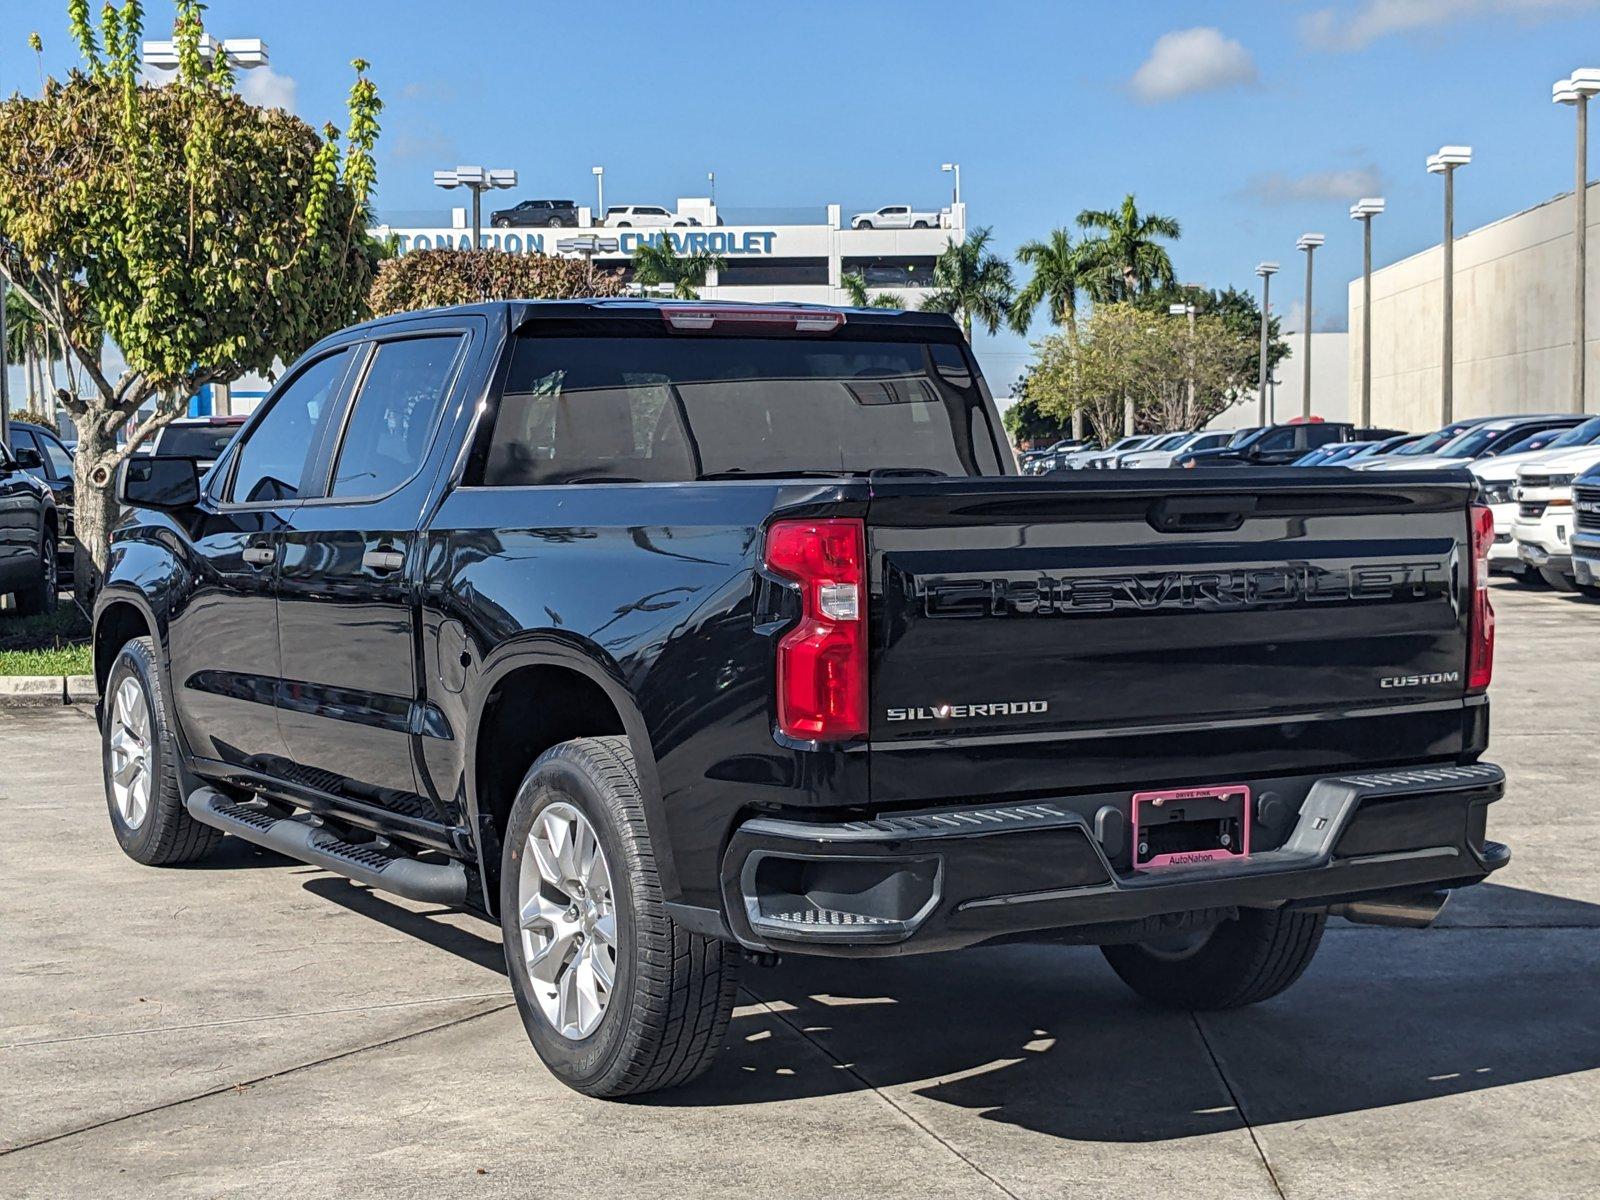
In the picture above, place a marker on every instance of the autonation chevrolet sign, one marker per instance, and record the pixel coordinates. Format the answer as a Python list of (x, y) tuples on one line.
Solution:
[(623, 242)]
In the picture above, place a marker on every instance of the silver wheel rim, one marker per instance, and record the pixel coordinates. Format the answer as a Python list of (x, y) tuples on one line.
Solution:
[(130, 752), (51, 583), (568, 921)]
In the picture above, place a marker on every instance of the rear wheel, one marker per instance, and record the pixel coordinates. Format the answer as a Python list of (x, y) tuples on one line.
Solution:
[(1591, 590), (40, 596), (616, 998), (1561, 583), (1242, 961)]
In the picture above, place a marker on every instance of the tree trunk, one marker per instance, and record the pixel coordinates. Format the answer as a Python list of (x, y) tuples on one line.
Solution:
[(1071, 323), (94, 502)]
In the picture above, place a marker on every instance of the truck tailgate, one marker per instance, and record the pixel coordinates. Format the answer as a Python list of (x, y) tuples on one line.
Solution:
[(1036, 636)]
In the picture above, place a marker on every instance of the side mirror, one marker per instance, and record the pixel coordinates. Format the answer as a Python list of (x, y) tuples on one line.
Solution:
[(164, 483), (29, 459)]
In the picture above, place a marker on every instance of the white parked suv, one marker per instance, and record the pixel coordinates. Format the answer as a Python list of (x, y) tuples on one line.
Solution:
[(1498, 478), (1543, 528), (1162, 456), (624, 216), (895, 216)]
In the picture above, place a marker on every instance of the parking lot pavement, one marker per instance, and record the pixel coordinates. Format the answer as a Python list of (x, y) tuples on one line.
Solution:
[(254, 1026)]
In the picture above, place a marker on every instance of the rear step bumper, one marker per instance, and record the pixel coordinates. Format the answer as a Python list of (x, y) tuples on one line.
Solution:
[(942, 879), (431, 883)]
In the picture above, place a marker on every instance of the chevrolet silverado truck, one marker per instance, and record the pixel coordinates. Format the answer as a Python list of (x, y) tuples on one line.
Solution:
[(675, 637)]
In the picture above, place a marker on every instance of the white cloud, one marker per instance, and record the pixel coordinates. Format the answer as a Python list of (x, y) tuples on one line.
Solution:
[(1344, 186), (265, 87), (1187, 61), (1369, 20)]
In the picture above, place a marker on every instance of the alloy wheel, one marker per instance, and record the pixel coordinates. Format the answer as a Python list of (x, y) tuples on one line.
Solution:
[(130, 752), (568, 921)]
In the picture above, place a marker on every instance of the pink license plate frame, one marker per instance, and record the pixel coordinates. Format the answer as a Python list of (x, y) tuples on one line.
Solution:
[(1189, 858)]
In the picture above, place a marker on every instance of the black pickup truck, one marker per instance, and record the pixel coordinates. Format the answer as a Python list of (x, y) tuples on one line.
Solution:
[(679, 636)]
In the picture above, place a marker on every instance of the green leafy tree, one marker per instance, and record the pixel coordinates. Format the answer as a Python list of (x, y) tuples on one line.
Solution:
[(1061, 268), (435, 278), (855, 287), (972, 283), (207, 237), (1238, 311), (1029, 427), (658, 263), (1127, 257)]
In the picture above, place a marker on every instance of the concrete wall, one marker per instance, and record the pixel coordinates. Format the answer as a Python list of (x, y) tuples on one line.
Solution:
[(1512, 327), (1330, 383)]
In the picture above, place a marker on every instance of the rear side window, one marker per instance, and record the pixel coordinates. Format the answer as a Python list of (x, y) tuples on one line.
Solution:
[(195, 441), (648, 409), (273, 458), (391, 426)]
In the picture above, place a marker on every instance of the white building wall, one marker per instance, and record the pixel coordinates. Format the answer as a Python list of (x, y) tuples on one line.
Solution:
[(1330, 384), (1512, 327)]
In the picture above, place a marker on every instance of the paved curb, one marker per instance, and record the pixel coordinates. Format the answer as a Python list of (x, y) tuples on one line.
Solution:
[(46, 691)]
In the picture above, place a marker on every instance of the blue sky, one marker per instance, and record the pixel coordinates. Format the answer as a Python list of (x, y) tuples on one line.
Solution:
[(1248, 122)]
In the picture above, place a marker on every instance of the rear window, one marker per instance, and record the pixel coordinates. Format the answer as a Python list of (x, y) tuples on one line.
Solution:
[(663, 409), (195, 441)]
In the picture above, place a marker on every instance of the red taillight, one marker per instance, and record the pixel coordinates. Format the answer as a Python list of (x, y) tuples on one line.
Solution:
[(822, 661), (1480, 621)]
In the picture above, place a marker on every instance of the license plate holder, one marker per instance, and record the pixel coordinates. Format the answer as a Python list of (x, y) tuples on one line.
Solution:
[(1185, 826)]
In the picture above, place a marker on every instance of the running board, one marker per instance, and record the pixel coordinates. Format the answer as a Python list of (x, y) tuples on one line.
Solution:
[(431, 883)]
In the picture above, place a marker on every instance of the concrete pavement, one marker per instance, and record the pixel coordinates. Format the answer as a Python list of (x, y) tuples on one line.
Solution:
[(254, 1026)]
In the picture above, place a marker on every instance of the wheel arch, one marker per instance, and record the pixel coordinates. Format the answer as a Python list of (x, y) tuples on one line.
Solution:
[(546, 691)]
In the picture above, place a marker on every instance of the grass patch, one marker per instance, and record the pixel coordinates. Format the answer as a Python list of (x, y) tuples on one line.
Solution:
[(50, 644)]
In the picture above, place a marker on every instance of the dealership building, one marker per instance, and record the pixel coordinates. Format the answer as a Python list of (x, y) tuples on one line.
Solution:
[(763, 262), (1513, 322)]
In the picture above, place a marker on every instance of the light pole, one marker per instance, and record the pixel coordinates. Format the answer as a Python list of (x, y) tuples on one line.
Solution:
[(955, 169), (479, 181), (711, 178), (1364, 210), (1576, 91), (242, 53), (1188, 310), (599, 192), (1266, 270), (1309, 243), (1445, 163)]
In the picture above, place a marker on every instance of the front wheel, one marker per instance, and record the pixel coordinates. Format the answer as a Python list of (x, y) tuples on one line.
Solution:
[(502, 223), (1560, 582), (616, 998), (1243, 961), (40, 596)]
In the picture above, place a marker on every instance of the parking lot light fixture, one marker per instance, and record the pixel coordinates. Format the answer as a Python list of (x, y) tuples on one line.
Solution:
[(1576, 90), (1266, 270), (479, 180), (1445, 163), (599, 174), (955, 169), (1309, 243), (1364, 210), (242, 53), (1187, 310)]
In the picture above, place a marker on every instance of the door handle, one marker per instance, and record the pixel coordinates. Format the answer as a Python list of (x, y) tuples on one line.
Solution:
[(259, 556), (383, 561)]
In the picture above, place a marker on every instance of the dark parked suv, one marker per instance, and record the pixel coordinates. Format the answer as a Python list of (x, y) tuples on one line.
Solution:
[(552, 213), (30, 533), (41, 452), (678, 636)]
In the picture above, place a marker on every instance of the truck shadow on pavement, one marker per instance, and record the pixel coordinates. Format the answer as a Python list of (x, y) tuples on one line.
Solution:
[(1047, 1039)]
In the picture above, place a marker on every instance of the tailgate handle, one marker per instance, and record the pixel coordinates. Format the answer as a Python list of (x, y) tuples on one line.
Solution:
[(1200, 514)]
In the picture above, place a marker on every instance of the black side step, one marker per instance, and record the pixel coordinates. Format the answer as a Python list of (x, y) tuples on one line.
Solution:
[(431, 883)]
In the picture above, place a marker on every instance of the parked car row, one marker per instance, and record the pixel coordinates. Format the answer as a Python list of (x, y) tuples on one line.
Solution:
[(37, 544), (556, 214)]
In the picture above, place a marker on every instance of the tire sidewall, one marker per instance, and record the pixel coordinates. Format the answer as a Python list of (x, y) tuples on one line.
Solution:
[(134, 662), (557, 779)]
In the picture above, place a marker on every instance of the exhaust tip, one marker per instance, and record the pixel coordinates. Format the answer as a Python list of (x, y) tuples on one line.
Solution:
[(1407, 910)]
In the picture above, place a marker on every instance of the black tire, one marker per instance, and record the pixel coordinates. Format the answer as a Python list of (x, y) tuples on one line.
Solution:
[(623, 225), (920, 225), (165, 834), (501, 223), (40, 596), (673, 990), (1529, 578), (1243, 961), (1589, 590), (553, 223), (1558, 581)]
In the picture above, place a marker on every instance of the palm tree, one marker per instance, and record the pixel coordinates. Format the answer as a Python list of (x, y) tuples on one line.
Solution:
[(1127, 257), (855, 287), (1060, 267), (27, 345), (969, 280), (660, 263)]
